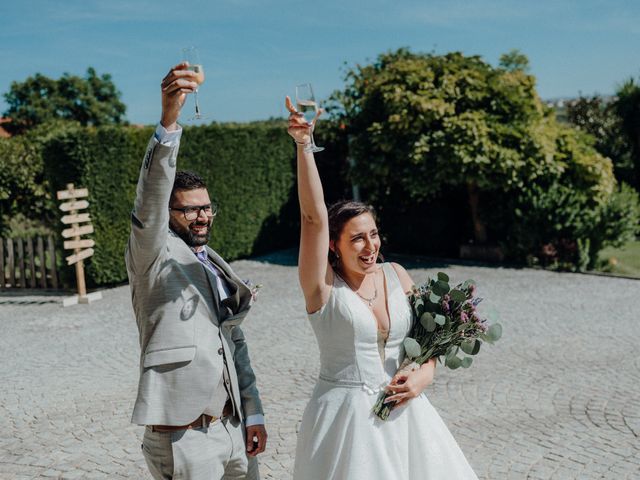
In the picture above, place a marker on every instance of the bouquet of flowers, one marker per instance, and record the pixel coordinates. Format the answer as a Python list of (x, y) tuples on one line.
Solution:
[(446, 324)]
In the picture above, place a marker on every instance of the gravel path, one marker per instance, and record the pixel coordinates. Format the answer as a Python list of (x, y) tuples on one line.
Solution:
[(557, 398)]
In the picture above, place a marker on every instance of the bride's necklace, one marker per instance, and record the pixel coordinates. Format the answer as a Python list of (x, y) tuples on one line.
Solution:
[(368, 300)]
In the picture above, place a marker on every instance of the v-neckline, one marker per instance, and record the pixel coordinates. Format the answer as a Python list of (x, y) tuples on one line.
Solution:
[(386, 303)]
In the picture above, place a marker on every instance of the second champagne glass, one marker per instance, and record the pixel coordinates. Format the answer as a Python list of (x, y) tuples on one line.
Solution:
[(191, 55), (308, 106)]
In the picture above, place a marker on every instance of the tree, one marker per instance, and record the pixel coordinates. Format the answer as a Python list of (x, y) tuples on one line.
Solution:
[(92, 100), (598, 117), (514, 60), (421, 124), (424, 121), (627, 106)]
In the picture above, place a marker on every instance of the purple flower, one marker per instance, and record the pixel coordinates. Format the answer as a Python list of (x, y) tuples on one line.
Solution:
[(445, 307), (464, 318)]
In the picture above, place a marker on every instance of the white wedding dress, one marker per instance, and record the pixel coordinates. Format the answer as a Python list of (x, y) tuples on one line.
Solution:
[(339, 438)]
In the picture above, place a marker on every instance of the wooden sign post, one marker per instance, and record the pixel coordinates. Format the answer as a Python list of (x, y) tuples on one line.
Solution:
[(82, 248)]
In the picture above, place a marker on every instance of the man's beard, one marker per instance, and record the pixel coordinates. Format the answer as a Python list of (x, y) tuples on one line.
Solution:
[(190, 238)]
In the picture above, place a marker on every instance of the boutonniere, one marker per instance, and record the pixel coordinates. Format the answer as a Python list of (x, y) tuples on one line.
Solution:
[(253, 288)]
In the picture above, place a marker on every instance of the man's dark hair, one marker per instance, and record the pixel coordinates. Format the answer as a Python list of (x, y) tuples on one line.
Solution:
[(186, 180)]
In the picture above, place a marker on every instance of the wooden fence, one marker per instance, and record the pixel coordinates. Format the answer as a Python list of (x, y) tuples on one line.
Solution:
[(28, 263)]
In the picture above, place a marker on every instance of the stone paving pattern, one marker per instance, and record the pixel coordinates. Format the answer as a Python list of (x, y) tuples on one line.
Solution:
[(558, 398)]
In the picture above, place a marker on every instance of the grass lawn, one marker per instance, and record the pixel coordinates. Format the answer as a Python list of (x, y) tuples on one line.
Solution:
[(622, 261)]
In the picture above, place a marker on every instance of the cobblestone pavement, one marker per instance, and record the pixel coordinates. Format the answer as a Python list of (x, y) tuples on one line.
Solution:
[(557, 398)]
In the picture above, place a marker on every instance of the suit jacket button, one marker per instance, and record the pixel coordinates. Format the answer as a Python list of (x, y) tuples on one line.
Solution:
[(220, 351)]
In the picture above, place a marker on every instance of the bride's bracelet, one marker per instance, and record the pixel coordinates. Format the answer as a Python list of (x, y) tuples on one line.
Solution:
[(303, 144)]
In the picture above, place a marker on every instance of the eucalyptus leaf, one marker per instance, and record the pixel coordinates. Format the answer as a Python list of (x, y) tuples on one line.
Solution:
[(439, 319), (495, 332), (451, 351), (453, 362), (467, 346), (434, 298), (425, 319), (471, 347), (458, 296), (466, 362), (428, 322), (412, 348), (441, 288), (443, 277)]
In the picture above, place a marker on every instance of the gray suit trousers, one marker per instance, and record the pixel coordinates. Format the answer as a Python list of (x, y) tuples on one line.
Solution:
[(217, 452)]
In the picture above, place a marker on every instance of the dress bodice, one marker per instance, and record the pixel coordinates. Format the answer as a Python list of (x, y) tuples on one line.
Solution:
[(347, 335)]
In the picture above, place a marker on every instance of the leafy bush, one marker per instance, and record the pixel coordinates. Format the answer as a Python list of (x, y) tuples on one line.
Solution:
[(560, 227), (547, 225), (619, 221)]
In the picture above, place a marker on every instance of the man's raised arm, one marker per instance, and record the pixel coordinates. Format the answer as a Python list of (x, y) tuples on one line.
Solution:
[(150, 215)]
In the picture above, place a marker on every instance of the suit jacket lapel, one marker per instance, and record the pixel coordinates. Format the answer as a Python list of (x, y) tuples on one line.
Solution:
[(239, 295), (215, 308), (214, 290)]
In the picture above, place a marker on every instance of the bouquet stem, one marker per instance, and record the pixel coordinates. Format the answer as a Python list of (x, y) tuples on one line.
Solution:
[(381, 409)]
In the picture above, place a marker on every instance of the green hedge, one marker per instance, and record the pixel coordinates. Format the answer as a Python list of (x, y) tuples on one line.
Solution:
[(249, 170)]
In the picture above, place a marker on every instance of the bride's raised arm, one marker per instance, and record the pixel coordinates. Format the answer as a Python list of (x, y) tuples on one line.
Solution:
[(314, 271)]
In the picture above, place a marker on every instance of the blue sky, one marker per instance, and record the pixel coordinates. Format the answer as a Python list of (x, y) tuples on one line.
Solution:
[(256, 51)]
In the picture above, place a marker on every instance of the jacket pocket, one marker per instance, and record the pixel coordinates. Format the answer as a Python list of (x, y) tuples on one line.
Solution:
[(169, 355)]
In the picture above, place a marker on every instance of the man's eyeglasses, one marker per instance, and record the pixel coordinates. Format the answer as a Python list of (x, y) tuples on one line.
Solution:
[(191, 212)]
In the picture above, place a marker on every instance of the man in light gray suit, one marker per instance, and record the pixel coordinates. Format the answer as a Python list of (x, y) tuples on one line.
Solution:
[(197, 393)]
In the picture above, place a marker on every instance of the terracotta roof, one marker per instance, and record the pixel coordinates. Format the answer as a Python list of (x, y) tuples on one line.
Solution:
[(3, 132)]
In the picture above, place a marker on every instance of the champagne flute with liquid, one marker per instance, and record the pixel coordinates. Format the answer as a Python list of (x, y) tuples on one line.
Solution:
[(191, 55), (307, 105)]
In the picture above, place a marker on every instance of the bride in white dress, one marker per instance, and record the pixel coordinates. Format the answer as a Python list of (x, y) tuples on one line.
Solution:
[(360, 314)]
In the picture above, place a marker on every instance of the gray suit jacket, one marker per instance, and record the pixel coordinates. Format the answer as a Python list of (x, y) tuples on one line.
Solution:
[(187, 336)]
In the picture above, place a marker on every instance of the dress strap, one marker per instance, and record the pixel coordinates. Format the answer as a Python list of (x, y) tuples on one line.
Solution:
[(390, 274)]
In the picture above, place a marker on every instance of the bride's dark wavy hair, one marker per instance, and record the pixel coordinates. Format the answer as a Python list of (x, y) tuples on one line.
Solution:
[(339, 214)]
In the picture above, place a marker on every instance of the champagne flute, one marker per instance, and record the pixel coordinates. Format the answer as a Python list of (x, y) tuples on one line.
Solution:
[(308, 106), (191, 55)]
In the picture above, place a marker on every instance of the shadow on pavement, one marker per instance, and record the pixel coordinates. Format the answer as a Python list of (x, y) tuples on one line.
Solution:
[(289, 258), (31, 296), (286, 258)]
